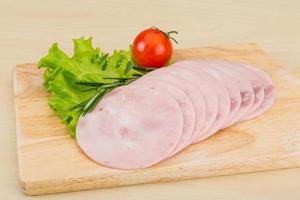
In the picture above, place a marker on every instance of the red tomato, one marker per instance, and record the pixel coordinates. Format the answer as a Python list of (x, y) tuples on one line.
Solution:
[(152, 48)]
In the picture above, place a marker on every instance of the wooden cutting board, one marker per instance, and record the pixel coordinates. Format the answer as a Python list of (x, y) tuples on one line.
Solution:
[(51, 162)]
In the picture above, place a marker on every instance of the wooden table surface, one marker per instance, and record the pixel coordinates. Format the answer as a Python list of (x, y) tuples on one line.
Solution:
[(28, 27)]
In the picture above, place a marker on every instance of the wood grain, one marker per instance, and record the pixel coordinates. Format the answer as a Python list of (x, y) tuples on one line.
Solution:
[(51, 162)]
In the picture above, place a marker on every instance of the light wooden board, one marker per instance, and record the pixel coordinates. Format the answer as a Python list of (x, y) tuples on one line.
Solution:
[(51, 162)]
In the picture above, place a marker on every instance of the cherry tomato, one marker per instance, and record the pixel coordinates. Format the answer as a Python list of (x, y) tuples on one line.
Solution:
[(152, 48)]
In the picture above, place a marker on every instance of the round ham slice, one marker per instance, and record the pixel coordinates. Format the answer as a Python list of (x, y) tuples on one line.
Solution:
[(196, 96), (208, 94), (131, 127), (240, 79), (251, 101), (223, 108), (268, 89), (232, 88), (252, 78), (156, 116), (188, 86), (192, 67), (186, 105)]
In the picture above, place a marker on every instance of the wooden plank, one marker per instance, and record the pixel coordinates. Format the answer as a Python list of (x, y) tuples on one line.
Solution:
[(51, 162)]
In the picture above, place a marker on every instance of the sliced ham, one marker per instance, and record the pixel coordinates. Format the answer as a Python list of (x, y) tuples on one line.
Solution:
[(161, 113), (207, 89), (244, 85), (254, 81), (232, 88), (223, 106), (185, 103), (186, 85), (192, 67), (268, 89), (256, 78), (132, 127)]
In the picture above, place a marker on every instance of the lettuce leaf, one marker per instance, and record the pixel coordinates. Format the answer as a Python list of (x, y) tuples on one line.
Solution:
[(88, 64)]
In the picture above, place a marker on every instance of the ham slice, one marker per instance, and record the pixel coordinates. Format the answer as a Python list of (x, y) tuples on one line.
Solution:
[(246, 89), (223, 105), (232, 88), (192, 67), (208, 92), (132, 127), (184, 102), (258, 80), (252, 78), (160, 114), (268, 89), (186, 85)]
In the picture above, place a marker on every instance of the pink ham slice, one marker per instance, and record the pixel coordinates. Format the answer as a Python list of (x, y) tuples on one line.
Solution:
[(240, 80), (252, 78), (269, 92), (249, 75), (192, 92), (192, 67), (153, 118), (186, 105), (208, 93), (233, 90), (132, 127), (223, 109)]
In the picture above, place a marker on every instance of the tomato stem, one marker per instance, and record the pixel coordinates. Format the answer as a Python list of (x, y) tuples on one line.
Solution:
[(167, 34)]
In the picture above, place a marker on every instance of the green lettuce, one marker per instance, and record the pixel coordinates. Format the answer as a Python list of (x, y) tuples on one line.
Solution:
[(88, 64)]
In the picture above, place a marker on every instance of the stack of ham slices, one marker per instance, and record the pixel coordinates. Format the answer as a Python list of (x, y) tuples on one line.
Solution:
[(160, 114)]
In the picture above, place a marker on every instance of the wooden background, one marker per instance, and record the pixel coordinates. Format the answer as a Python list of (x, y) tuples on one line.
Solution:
[(28, 27)]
